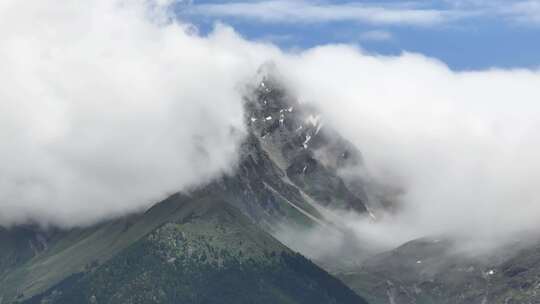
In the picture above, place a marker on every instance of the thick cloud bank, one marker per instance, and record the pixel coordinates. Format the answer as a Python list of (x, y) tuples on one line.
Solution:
[(107, 106), (463, 146)]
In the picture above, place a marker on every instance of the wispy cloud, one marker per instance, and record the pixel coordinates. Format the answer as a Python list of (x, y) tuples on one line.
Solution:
[(525, 12), (288, 11), (376, 35), (414, 13), (516, 11)]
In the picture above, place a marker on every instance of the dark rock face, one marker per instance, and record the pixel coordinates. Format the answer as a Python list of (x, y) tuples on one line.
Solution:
[(260, 189)]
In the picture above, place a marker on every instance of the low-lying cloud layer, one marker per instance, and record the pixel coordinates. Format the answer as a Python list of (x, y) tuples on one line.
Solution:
[(108, 106)]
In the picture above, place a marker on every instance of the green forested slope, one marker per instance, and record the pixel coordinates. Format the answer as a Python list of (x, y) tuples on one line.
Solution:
[(183, 250)]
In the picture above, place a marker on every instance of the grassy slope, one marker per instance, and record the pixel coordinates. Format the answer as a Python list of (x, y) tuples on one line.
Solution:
[(16, 247), (80, 248)]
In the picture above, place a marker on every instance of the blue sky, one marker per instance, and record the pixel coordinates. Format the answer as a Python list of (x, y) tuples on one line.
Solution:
[(465, 34)]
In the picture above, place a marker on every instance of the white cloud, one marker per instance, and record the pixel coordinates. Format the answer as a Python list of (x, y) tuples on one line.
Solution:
[(525, 12), (107, 107), (463, 145), (302, 11), (415, 13)]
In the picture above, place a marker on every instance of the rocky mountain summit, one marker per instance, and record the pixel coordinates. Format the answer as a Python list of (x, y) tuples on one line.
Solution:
[(290, 162)]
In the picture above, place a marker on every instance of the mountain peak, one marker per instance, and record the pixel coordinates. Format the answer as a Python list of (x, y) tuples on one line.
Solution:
[(309, 152)]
